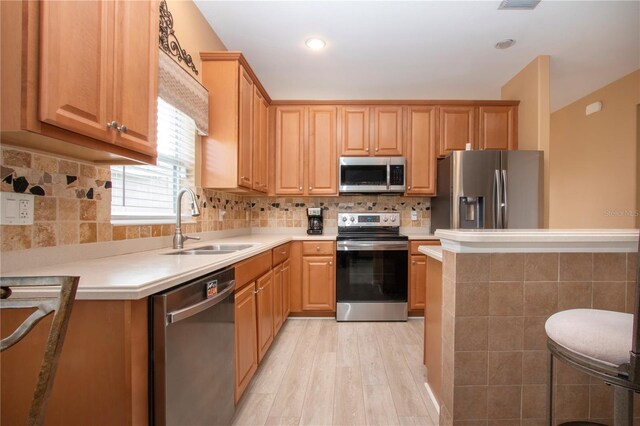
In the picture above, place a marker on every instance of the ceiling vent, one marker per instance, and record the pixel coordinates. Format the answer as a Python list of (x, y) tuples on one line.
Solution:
[(518, 4)]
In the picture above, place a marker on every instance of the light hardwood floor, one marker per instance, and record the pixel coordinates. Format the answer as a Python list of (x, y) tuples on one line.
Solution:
[(321, 372)]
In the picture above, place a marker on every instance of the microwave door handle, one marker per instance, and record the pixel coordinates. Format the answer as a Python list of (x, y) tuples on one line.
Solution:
[(388, 175), (505, 203)]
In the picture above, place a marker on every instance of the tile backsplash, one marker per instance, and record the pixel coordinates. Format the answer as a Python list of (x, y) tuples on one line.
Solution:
[(73, 206)]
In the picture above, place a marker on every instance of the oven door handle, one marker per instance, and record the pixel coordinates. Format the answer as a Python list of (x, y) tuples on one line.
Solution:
[(372, 245)]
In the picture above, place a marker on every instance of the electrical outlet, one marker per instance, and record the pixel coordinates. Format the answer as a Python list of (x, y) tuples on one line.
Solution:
[(221, 214), (16, 209), (414, 215)]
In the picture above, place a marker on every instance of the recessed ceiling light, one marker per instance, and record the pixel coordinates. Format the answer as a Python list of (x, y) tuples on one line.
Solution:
[(505, 44), (315, 43)]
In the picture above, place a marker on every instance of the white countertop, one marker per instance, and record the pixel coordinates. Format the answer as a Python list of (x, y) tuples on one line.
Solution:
[(538, 240), (138, 275), (434, 252)]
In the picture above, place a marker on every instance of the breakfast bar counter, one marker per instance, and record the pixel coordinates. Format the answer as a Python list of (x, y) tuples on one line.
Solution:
[(498, 287)]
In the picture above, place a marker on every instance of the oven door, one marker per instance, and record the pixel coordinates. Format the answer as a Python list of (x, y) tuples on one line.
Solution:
[(372, 271)]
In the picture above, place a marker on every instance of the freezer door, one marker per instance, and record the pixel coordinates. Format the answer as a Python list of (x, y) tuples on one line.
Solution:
[(474, 189), (522, 189)]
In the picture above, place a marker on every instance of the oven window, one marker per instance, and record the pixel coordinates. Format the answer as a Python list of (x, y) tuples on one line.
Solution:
[(363, 175), (372, 276)]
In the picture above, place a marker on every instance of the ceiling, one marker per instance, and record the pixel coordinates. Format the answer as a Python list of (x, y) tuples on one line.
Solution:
[(427, 49)]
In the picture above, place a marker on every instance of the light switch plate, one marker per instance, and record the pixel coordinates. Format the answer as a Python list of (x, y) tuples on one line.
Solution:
[(16, 209)]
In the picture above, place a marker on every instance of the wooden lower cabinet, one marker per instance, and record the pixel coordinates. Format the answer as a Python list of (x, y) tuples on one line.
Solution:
[(417, 281), (246, 342), (286, 289), (102, 376), (278, 312), (264, 288), (418, 276), (318, 283)]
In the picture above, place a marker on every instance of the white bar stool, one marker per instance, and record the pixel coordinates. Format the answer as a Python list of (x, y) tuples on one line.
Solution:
[(602, 344)]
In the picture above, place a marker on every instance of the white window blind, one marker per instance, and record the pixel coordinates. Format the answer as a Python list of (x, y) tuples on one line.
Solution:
[(147, 193)]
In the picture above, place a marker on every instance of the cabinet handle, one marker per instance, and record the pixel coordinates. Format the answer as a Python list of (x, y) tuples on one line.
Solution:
[(310, 188), (243, 177), (413, 262), (112, 125), (330, 263), (283, 252), (367, 149), (409, 187), (376, 149), (122, 129), (317, 248), (300, 188)]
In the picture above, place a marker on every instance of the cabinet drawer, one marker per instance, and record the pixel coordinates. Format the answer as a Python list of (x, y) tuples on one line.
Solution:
[(309, 248), (415, 244), (281, 253), (250, 269)]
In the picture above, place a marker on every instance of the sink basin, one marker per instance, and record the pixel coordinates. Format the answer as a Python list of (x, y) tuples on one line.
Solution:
[(214, 249)]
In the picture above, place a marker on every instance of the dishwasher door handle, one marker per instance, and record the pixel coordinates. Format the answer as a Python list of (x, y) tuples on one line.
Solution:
[(184, 313)]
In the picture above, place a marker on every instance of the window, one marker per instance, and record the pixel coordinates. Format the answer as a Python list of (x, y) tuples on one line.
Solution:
[(147, 193)]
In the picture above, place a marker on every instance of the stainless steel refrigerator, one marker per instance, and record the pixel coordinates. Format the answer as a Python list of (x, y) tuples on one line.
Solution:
[(489, 190)]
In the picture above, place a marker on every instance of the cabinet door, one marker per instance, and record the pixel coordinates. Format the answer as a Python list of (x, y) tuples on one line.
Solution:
[(498, 128), (289, 150), (277, 299), (260, 142), (76, 63), (355, 130), (457, 128), (265, 313), (417, 282), (323, 164), (421, 151), (387, 130), (136, 75), (318, 283), (245, 129), (286, 290), (246, 343)]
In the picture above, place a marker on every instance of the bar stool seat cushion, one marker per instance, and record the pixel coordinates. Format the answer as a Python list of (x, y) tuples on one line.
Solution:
[(603, 336)]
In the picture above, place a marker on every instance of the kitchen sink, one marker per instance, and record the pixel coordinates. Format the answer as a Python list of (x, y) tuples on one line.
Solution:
[(213, 249)]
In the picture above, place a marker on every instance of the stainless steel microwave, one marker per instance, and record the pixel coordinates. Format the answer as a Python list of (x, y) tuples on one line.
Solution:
[(372, 174)]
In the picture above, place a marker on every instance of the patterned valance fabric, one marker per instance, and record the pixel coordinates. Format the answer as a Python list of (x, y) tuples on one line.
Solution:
[(184, 92)]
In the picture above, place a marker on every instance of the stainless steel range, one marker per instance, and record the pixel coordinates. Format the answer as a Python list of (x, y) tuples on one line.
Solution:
[(372, 268)]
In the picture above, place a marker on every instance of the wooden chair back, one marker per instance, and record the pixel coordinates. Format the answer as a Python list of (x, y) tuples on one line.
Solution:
[(59, 302)]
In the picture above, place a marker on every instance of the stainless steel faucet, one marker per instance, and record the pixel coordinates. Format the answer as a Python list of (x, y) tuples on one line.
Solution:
[(178, 238)]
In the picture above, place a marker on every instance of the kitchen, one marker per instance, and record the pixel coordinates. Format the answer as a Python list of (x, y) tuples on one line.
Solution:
[(70, 225)]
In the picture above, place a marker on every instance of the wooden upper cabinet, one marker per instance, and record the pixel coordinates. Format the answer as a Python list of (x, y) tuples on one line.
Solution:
[(387, 130), (76, 77), (457, 128), (421, 150), (289, 150), (238, 116), (322, 148), (355, 130), (260, 142), (498, 127), (245, 129), (96, 80), (136, 75)]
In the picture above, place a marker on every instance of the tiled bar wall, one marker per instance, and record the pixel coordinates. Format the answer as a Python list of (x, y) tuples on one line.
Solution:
[(73, 206), (494, 344)]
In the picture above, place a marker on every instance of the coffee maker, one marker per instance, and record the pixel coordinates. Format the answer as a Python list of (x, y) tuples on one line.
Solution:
[(314, 216)]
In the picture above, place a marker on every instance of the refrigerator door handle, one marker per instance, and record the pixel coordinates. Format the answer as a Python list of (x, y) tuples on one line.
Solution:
[(505, 211), (497, 206)]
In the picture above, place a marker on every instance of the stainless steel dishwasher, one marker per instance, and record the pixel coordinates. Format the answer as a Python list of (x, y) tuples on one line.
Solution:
[(192, 352)]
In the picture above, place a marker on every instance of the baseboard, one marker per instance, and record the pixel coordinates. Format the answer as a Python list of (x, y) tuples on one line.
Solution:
[(432, 397)]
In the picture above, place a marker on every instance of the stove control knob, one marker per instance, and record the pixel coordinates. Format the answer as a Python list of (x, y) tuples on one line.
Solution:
[(352, 219), (344, 218), (386, 219), (393, 218)]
